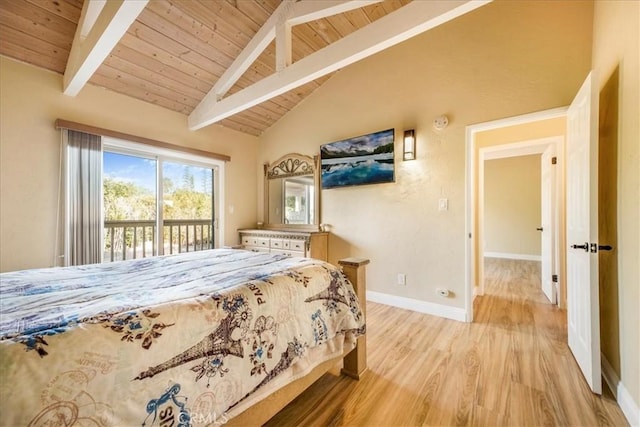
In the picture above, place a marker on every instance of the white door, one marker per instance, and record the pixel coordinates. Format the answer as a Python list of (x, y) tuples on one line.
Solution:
[(547, 225), (582, 230)]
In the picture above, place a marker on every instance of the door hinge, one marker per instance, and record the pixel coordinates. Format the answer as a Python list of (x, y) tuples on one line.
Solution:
[(554, 160), (554, 278)]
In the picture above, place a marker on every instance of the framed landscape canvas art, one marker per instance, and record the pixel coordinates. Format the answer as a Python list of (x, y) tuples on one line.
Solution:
[(366, 159)]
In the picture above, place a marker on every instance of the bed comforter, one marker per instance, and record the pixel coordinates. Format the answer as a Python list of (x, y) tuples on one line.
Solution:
[(179, 340)]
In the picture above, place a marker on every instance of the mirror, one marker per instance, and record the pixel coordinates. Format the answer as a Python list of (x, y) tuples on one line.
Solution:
[(291, 193), (291, 200)]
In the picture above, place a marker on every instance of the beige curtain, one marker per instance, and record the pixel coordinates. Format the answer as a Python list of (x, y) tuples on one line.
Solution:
[(84, 198)]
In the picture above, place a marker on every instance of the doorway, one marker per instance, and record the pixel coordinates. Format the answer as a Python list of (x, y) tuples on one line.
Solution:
[(514, 199), (579, 241), (517, 136)]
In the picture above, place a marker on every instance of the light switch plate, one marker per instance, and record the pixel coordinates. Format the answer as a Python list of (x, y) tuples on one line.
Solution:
[(443, 204), (402, 279)]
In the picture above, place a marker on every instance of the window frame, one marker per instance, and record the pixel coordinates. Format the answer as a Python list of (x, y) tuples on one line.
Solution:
[(161, 155)]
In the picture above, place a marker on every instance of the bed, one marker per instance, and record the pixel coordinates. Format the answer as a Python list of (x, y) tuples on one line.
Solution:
[(200, 338)]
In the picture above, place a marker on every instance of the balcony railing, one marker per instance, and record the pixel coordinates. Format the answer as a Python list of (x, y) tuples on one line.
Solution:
[(136, 239)]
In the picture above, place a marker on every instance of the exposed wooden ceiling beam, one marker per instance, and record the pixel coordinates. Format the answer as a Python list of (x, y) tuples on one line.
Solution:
[(288, 14), (250, 53), (96, 37), (91, 11), (307, 11), (283, 45), (406, 22)]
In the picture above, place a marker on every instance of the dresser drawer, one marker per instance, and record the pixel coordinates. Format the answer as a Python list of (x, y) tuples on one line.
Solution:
[(280, 252), (277, 244), (296, 245), (286, 242), (261, 242)]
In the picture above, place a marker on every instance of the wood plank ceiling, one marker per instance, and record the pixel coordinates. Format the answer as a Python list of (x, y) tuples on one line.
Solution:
[(176, 50)]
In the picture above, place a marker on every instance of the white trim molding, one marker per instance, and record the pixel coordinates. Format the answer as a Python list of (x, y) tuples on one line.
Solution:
[(628, 406), (517, 120), (610, 376), (440, 310), (525, 257)]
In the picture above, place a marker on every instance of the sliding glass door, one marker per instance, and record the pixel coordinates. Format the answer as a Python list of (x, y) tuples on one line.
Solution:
[(187, 208), (129, 206), (142, 221)]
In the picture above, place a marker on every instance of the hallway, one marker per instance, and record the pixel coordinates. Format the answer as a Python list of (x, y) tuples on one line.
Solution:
[(511, 367)]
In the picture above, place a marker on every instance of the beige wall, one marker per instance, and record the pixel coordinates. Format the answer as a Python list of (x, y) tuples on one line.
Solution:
[(512, 209), (31, 100), (539, 129), (616, 49), (499, 61)]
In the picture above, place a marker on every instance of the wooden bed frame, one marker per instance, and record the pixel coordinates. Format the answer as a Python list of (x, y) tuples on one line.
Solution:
[(354, 362)]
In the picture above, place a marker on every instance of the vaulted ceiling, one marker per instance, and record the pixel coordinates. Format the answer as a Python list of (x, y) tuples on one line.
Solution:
[(179, 53)]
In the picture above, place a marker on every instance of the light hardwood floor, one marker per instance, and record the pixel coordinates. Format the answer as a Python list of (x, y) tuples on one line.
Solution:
[(511, 367)]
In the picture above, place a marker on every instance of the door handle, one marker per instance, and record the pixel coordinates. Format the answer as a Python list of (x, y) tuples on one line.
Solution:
[(539, 228), (596, 247), (585, 247)]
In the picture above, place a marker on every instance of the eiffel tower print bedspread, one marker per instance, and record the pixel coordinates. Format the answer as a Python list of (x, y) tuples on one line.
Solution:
[(178, 340)]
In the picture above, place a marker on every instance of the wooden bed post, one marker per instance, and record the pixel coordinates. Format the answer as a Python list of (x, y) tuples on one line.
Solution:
[(355, 363)]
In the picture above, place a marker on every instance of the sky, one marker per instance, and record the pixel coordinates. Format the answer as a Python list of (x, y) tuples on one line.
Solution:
[(142, 171), (361, 143)]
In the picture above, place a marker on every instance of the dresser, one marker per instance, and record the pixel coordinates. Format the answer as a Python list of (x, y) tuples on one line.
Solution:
[(308, 244)]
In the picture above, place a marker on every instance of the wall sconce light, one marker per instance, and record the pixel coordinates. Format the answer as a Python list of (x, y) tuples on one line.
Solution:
[(409, 144)]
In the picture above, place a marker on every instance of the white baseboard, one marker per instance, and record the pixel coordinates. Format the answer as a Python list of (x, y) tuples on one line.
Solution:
[(610, 376), (513, 256), (448, 312), (628, 406)]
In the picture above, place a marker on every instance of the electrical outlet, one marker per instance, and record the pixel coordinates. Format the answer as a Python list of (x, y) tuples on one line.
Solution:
[(442, 292), (402, 279), (443, 204)]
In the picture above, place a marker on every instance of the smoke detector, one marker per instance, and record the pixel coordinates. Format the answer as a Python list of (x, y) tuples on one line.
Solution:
[(440, 122)]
